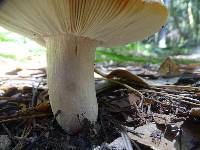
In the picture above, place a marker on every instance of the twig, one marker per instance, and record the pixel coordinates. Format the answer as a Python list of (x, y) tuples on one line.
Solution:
[(35, 94), (24, 117), (102, 125), (126, 140), (23, 139), (14, 99), (7, 130), (176, 97), (124, 85), (27, 130), (187, 88)]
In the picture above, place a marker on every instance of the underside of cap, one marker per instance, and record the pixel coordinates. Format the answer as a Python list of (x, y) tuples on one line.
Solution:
[(110, 22)]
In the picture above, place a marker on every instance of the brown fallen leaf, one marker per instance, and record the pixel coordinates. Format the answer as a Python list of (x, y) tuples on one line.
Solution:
[(134, 100), (29, 72), (169, 68), (198, 94), (14, 72), (23, 107), (162, 118), (190, 67), (151, 136), (127, 77), (149, 101), (43, 107), (195, 112)]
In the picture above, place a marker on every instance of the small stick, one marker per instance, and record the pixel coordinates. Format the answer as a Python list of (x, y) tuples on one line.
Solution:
[(7, 130), (173, 97), (188, 88), (124, 85), (25, 117)]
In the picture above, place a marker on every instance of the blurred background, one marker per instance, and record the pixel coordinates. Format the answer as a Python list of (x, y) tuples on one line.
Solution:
[(179, 38)]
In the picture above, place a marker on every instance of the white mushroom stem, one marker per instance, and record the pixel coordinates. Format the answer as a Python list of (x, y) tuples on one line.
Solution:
[(71, 79)]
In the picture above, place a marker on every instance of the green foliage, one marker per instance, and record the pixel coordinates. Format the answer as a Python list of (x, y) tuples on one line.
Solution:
[(3, 38), (102, 55), (10, 56), (186, 61), (184, 19)]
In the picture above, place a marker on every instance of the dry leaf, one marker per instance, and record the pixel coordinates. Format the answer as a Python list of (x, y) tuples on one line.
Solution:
[(23, 107), (151, 136), (148, 101), (134, 100), (14, 72), (43, 107), (127, 77), (169, 68), (29, 72), (162, 118), (198, 94), (190, 67), (195, 112), (190, 135)]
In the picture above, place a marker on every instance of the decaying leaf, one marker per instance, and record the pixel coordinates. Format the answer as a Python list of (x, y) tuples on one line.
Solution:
[(43, 107), (169, 68), (198, 94), (134, 100), (23, 107), (190, 135), (43, 96), (10, 91), (14, 72), (151, 136), (164, 119), (190, 67), (29, 72), (188, 78), (148, 101), (127, 77), (195, 112)]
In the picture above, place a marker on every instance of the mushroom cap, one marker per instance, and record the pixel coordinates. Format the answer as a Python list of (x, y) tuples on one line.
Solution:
[(109, 22)]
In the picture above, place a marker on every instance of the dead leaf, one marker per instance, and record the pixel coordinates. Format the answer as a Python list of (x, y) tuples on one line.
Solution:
[(14, 72), (43, 96), (198, 94), (23, 107), (195, 112), (190, 67), (190, 135), (188, 78), (134, 100), (28, 72), (148, 101), (43, 107), (162, 118), (127, 77), (10, 91), (151, 136), (169, 68)]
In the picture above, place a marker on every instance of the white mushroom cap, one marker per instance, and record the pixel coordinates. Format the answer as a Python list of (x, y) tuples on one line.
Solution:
[(110, 22)]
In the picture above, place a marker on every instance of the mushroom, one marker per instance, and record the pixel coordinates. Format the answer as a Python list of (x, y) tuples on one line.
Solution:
[(71, 30)]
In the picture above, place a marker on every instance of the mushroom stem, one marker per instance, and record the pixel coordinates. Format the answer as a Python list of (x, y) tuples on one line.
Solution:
[(71, 85)]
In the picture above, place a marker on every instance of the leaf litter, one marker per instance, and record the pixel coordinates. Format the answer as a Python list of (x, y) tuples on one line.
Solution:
[(134, 111)]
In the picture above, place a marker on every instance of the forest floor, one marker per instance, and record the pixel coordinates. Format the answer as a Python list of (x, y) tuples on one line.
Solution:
[(141, 107)]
